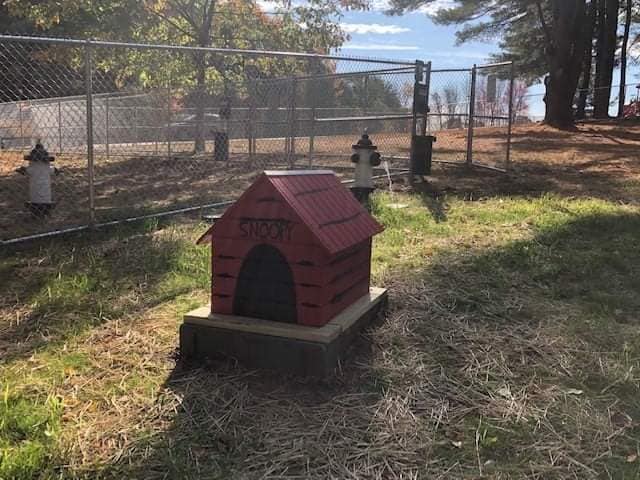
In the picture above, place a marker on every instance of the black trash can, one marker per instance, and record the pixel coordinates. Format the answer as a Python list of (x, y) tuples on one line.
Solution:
[(221, 146), (421, 154)]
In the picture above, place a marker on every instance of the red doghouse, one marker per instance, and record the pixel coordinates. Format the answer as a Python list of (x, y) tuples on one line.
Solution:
[(295, 247)]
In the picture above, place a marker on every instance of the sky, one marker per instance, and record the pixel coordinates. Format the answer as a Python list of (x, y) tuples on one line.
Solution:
[(410, 36)]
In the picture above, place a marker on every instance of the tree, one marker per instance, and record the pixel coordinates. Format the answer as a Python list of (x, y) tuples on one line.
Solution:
[(543, 37), (193, 19), (623, 57), (112, 20), (567, 37), (587, 65), (452, 102), (607, 26), (520, 102), (436, 100), (239, 24)]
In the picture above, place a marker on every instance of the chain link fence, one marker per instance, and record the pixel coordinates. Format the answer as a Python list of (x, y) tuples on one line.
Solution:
[(472, 112), (145, 130)]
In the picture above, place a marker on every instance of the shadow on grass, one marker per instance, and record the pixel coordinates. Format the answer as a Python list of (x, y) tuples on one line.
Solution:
[(531, 178), (519, 359), (61, 287), (229, 420)]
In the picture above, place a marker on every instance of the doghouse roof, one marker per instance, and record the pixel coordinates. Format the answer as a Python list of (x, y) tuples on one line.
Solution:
[(329, 210)]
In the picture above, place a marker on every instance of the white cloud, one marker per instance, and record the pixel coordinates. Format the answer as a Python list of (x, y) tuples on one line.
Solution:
[(363, 28), (376, 46), (375, 5), (379, 5), (430, 8)]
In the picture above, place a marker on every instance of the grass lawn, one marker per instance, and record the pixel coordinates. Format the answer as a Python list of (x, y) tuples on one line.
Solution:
[(511, 349)]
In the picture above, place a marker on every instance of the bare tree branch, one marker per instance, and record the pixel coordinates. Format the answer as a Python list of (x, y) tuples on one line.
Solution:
[(171, 22)]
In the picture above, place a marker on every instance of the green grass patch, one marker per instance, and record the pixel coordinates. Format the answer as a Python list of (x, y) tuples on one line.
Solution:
[(28, 433)]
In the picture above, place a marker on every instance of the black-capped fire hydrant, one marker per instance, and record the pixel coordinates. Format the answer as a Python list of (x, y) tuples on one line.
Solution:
[(39, 172), (365, 157)]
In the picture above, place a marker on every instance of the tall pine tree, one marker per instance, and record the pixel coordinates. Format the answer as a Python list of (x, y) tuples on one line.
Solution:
[(544, 37)]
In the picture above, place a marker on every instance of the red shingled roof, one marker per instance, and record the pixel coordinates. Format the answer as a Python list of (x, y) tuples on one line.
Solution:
[(328, 209)]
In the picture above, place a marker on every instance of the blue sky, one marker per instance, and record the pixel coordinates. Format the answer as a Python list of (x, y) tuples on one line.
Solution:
[(411, 36)]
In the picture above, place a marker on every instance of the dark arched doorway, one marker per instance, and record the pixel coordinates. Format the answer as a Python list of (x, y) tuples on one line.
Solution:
[(265, 286)]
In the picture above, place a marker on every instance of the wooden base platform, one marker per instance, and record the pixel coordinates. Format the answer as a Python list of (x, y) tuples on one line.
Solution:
[(296, 349)]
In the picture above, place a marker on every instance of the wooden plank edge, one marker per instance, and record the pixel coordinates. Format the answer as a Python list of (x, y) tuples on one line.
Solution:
[(325, 334)]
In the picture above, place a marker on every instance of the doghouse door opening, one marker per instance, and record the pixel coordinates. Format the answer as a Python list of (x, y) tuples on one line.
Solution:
[(265, 287)]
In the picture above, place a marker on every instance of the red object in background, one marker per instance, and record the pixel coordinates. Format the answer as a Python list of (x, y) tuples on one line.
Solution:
[(295, 247), (632, 110)]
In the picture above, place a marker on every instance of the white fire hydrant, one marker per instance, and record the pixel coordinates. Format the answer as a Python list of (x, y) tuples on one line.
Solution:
[(365, 157), (39, 172)]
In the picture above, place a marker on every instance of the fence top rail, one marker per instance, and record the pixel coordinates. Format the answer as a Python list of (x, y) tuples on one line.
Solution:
[(365, 118), (386, 71), (493, 65), (71, 98), (451, 70), (178, 48)]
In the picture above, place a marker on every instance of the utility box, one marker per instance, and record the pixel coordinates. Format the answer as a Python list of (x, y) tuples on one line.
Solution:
[(221, 147), (421, 154)]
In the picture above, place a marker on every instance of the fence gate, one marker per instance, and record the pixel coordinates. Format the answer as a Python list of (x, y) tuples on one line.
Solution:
[(471, 113), (491, 111)]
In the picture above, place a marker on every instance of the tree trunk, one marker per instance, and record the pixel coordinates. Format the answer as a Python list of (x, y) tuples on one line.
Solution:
[(583, 88), (623, 59), (204, 40), (201, 70), (587, 64), (558, 99), (605, 55), (566, 39)]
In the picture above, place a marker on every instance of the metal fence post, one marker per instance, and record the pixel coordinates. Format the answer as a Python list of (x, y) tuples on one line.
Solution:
[(88, 83), (366, 95), (250, 115), (418, 77), (312, 133), (427, 87), (419, 71), (168, 119), (472, 111), (59, 126), (21, 127), (512, 81), (135, 125), (292, 125), (106, 127)]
